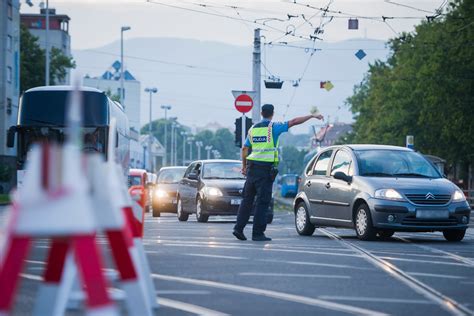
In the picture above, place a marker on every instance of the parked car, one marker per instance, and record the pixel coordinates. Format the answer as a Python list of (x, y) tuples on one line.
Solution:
[(289, 185), (378, 190), (165, 189), (212, 187), (137, 185)]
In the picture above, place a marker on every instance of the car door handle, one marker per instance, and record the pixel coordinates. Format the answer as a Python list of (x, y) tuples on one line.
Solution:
[(328, 185), (308, 184)]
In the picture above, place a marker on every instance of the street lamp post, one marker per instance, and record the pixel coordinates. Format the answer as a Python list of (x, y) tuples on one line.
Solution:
[(123, 29), (46, 35), (150, 91), (173, 141), (184, 134), (166, 108), (208, 149), (190, 142), (199, 145)]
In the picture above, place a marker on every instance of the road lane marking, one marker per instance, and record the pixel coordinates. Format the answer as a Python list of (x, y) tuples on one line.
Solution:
[(451, 255), (190, 308), (186, 307), (372, 299), (183, 292), (214, 256), (425, 261), (272, 294), (32, 277), (436, 275), (296, 275), (36, 262), (430, 293), (317, 264), (217, 246)]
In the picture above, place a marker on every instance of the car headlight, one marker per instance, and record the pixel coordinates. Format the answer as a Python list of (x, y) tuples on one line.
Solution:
[(388, 194), (212, 192), (161, 194), (458, 196)]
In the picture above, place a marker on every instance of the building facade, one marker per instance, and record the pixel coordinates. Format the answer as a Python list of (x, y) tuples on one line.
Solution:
[(58, 35), (9, 86)]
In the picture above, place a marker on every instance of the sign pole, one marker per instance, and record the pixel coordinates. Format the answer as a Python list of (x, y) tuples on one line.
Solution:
[(244, 119)]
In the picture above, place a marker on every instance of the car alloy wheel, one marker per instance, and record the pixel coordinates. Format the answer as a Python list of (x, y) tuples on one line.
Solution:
[(361, 222), (300, 218), (200, 216), (182, 216), (303, 225)]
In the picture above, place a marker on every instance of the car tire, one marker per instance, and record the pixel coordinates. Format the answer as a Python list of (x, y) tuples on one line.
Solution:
[(454, 235), (302, 223), (182, 216), (201, 217), (386, 234), (156, 212), (269, 218), (363, 224)]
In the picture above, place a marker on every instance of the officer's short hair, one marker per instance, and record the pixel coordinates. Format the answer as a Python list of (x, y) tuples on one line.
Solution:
[(267, 110)]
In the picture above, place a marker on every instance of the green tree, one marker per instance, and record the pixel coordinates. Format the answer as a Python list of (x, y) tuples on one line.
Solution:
[(113, 96), (425, 88), (32, 62), (291, 160)]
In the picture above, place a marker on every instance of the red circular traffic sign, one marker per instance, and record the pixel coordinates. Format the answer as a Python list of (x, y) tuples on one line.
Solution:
[(243, 103)]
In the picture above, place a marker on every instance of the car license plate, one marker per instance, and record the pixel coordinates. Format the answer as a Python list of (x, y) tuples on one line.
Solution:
[(429, 214), (235, 202)]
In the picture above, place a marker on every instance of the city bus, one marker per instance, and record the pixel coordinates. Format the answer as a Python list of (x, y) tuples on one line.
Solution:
[(42, 117)]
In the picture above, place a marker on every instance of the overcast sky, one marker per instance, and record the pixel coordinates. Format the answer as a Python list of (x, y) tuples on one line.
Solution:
[(95, 23)]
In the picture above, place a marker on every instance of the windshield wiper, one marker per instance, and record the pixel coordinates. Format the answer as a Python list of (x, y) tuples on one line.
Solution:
[(411, 174), (376, 174)]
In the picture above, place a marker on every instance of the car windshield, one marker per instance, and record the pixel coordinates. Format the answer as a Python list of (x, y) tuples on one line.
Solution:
[(394, 163), (171, 175), (134, 180), (222, 170)]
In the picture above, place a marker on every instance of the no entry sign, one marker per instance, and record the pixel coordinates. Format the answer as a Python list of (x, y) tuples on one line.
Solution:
[(243, 103)]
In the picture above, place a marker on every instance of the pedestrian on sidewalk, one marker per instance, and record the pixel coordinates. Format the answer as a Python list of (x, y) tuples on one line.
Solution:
[(260, 168)]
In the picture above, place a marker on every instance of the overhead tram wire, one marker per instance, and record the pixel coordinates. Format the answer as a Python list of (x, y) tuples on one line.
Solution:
[(263, 25), (318, 30)]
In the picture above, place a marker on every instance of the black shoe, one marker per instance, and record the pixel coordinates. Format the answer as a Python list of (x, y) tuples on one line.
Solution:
[(239, 235), (261, 238)]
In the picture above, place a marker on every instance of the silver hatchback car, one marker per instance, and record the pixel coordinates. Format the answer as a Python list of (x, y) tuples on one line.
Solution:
[(378, 190)]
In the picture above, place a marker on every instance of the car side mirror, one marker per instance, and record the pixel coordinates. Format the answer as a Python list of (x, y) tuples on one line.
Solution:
[(11, 136), (342, 176), (193, 176)]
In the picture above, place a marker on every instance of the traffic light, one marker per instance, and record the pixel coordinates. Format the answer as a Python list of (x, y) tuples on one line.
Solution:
[(238, 130)]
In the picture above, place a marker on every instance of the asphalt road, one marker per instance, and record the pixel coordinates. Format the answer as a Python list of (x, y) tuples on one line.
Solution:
[(202, 269)]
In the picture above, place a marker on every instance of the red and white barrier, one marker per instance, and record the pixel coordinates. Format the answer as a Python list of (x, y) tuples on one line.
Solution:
[(70, 198)]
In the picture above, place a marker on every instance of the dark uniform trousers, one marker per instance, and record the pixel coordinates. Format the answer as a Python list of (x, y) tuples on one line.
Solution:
[(258, 183)]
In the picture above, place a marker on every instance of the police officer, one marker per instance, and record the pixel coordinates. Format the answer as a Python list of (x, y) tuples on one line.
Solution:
[(260, 169)]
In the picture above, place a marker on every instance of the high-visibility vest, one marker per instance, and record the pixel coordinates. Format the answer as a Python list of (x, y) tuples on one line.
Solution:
[(263, 145)]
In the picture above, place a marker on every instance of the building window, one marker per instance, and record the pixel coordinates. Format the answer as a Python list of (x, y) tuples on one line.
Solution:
[(9, 74), (9, 106), (9, 43), (10, 11)]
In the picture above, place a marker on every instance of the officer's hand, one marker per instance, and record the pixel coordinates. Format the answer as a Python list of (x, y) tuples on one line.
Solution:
[(318, 116), (244, 171)]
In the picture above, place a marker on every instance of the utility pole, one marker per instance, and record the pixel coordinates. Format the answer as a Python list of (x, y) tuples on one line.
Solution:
[(190, 142), (47, 44), (184, 134), (199, 145), (123, 29), (208, 149), (256, 77), (173, 126), (150, 135), (166, 108)]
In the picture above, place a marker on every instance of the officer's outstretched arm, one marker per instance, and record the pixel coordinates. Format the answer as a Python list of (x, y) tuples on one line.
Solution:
[(302, 119)]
